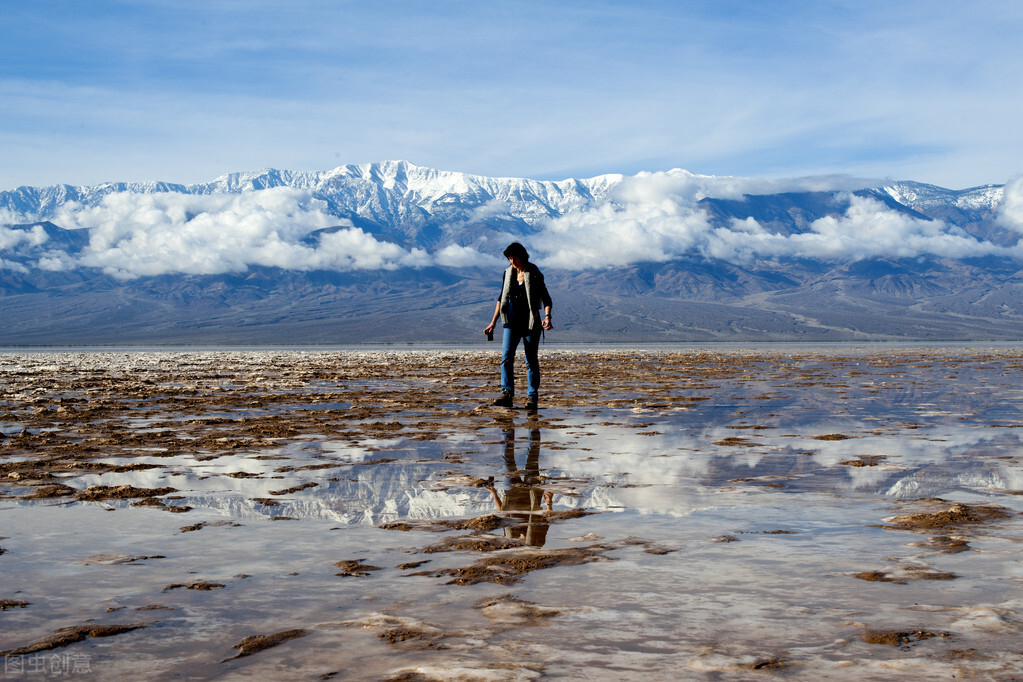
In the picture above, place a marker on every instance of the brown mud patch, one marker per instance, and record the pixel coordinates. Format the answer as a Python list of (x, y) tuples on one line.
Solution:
[(294, 489), (903, 575), (509, 567), (67, 636), (355, 568), (955, 516), (945, 544), (737, 442), (253, 644), (119, 492), (200, 585), (45, 492), (473, 543), (770, 663), (481, 524), (96, 493), (409, 633), (409, 565), (208, 524), (865, 461), (903, 639), (13, 604), (157, 503), (484, 523), (564, 514), (114, 559), (242, 474), (510, 609)]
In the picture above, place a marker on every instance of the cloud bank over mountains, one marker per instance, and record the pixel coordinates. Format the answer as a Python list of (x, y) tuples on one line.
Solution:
[(332, 222), (154, 234), (658, 219)]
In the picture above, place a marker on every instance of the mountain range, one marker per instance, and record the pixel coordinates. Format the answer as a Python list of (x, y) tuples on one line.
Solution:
[(397, 253)]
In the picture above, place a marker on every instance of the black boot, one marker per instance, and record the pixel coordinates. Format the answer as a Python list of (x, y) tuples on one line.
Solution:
[(504, 401), (531, 403)]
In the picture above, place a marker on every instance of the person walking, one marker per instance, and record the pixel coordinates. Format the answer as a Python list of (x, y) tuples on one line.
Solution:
[(523, 295)]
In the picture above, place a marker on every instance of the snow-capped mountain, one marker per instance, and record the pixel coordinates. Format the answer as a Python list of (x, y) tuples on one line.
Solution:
[(397, 197), (427, 207), (367, 252), (921, 197)]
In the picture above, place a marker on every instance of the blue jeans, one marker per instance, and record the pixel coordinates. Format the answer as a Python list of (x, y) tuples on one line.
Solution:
[(531, 346)]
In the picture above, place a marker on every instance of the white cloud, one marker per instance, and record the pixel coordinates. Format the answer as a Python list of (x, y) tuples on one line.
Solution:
[(8, 217), (12, 266), (28, 245), (136, 235), (11, 239), (687, 187), (353, 249), (1010, 210), (494, 207), (56, 261), (655, 217), (869, 229), (651, 217), (610, 235), (454, 256)]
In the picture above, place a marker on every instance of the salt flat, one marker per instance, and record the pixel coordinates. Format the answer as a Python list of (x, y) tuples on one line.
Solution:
[(839, 513)]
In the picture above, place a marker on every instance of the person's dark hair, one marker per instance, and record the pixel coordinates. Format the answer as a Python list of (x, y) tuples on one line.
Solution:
[(516, 250)]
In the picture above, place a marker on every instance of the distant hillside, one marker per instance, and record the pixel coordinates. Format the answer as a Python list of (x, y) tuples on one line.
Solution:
[(393, 252)]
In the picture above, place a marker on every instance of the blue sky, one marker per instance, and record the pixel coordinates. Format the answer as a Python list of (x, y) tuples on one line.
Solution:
[(184, 91)]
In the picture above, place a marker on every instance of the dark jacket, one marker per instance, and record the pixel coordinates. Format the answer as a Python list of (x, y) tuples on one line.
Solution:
[(537, 295)]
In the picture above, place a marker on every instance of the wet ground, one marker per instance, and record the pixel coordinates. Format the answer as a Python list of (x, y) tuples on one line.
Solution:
[(841, 513)]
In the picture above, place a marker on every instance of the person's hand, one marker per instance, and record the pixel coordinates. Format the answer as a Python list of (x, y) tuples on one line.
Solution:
[(547, 324), (489, 329)]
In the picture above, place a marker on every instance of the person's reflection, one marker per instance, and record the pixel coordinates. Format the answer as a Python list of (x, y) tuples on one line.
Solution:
[(523, 497)]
